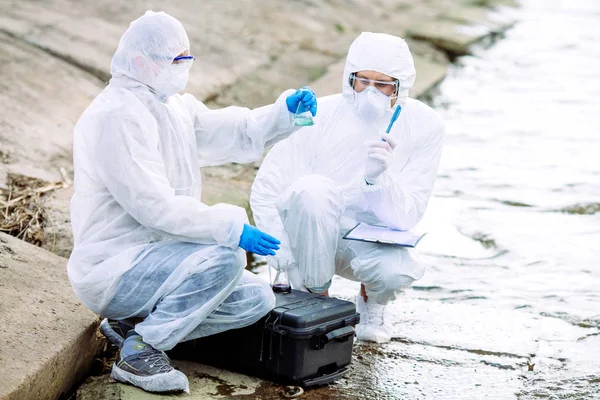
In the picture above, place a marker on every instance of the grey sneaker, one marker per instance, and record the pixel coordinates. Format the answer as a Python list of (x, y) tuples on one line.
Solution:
[(151, 370), (115, 331)]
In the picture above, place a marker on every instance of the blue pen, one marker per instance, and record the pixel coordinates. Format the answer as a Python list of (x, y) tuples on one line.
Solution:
[(394, 118)]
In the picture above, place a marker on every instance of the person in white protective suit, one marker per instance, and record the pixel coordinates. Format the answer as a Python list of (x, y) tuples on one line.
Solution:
[(145, 246), (316, 185)]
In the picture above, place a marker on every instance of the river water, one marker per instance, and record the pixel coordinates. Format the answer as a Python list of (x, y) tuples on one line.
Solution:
[(510, 305)]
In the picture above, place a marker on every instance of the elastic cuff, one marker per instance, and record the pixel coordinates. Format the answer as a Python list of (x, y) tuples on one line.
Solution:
[(371, 187), (373, 181), (320, 289)]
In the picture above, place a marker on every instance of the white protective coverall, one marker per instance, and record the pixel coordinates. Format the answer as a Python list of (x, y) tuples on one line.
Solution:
[(145, 245), (310, 189)]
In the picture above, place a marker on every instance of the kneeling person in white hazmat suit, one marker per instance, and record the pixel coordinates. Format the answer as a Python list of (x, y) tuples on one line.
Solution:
[(316, 185), (146, 247)]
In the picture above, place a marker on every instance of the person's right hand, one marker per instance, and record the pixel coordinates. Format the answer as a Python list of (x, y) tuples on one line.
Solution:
[(304, 95), (380, 155), (258, 242)]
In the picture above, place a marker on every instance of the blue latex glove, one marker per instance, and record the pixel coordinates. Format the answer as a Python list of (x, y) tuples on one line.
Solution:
[(304, 95), (256, 241)]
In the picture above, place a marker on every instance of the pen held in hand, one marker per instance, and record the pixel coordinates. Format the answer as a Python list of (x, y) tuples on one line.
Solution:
[(394, 118)]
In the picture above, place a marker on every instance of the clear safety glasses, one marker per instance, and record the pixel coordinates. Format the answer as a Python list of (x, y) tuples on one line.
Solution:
[(359, 84)]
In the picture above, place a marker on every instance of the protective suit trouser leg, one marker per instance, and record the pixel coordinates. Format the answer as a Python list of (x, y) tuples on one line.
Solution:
[(384, 270), (251, 299), (310, 210), (219, 294)]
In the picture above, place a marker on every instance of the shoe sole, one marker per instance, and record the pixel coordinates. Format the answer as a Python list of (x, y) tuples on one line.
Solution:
[(173, 381)]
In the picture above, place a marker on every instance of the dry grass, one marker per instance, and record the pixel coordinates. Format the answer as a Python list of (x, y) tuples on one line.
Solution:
[(22, 212)]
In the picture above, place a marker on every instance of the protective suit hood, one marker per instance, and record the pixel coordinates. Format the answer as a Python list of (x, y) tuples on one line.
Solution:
[(147, 48), (382, 53)]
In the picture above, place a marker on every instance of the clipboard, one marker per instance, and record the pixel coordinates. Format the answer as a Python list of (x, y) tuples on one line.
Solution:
[(380, 234)]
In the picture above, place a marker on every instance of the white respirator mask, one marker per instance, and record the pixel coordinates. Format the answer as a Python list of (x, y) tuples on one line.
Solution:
[(371, 104), (172, 79)]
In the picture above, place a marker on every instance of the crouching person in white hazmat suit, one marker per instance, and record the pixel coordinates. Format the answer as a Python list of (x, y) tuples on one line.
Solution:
[(315, 186), (146, 248)]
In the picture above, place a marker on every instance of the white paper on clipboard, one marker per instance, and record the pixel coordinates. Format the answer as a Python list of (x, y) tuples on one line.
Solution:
[(381, 234)]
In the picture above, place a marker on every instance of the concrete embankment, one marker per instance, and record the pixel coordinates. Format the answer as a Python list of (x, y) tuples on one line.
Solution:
[(48, 340)]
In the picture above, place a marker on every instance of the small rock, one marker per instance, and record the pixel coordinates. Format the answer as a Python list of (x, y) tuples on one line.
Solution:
[(291, 392)]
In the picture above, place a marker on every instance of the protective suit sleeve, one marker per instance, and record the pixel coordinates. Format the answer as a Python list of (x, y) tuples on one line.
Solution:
[(400, 198), (286, 162), (131, 167), (237, 134)]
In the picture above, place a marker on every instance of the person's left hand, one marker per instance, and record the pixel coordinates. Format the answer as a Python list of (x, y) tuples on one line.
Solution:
[(304, 95), (380, 154), (256, 241)]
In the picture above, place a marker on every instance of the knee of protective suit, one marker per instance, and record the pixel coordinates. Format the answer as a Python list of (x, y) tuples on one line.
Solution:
[(309, 194), (388, 288), (267, 298), (398, 282), (230, 262), (320, 289), (298, 282)]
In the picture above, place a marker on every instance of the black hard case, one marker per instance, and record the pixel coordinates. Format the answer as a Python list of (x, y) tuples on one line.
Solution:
[(305, 340)]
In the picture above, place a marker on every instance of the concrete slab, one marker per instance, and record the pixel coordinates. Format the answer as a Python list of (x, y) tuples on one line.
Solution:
[(48, 340), (232, 40), (429, 74), (449, 36), (331, 82), (456, 29), (41, 98), (496, 21)]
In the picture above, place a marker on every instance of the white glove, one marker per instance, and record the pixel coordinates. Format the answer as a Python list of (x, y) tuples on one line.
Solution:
[(380, 154)]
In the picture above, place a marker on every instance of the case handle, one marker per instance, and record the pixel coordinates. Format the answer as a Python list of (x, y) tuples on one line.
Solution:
[(341, 335)]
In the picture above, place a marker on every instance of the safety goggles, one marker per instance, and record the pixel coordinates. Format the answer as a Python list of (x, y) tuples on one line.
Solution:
[(176, 60), (183, 59), (359, 84)]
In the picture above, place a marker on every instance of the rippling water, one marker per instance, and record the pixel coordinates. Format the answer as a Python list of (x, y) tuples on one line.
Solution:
[(521, 169), (510, 307)]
